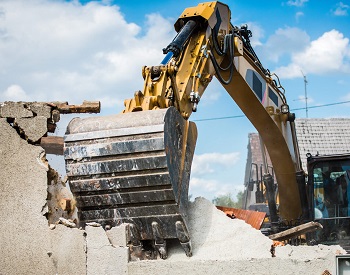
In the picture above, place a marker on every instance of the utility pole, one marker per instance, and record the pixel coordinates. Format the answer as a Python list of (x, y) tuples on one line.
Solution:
[(305, 84)]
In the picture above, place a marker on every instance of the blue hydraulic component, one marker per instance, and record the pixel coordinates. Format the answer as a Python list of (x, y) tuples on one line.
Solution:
[(167, 58)]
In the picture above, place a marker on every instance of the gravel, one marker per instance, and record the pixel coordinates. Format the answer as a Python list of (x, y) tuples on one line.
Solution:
[(215, 236)]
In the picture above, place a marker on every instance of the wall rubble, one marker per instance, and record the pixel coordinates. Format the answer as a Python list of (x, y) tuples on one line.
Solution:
[(33, 196)]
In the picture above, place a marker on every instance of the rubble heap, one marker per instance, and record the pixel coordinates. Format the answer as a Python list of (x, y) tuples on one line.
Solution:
[(230, 246)]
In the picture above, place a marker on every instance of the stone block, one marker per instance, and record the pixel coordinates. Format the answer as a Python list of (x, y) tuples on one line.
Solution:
[(117, 235), (68, 250), (34, 128), (102, 257), (40, 109), (14, 110)]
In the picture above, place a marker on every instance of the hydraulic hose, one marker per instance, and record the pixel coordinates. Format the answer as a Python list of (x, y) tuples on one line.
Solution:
[(175, 48), (227, 49)]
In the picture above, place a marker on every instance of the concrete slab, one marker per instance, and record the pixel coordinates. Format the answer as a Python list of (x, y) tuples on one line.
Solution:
[(102, 257), (68, 250), (33, 128), (14, 110), (40, 109), (117, 235)]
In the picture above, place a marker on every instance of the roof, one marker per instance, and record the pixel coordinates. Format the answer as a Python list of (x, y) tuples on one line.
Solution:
[(323, 136)]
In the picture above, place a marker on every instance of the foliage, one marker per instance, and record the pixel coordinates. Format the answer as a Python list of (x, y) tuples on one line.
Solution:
[(228, 201)]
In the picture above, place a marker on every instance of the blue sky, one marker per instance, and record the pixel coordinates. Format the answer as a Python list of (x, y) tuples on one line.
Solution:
[(94, 50)]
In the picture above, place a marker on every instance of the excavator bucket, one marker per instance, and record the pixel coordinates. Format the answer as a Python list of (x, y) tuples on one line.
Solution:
[(133, 168)]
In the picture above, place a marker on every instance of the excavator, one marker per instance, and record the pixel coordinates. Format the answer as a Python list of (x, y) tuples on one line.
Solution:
[(134, 167), (328, 195)]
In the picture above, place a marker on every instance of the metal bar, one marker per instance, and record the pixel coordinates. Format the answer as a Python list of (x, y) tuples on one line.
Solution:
[(86, 107), (296, 231), (52, 145)]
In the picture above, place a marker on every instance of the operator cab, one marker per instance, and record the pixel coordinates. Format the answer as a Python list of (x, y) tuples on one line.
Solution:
[(329, 193)]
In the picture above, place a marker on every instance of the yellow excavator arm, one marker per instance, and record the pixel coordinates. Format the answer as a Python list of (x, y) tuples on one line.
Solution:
[(186, 70), (208, 45), (135, 167)]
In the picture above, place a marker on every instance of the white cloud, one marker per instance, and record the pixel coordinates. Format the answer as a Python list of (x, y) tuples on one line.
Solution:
[(207, 163), (285, 41), (208, 185), (297, 3), (290, 71), (329, 53), (211, 188), (341, 9), (14, 93), (66, 51), (302, 98), (346, 97), (257, 33), (298, 15), (212, 175)]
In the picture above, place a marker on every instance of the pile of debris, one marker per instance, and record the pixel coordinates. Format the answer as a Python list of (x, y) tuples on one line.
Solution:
[(230, 246), (214, 235)]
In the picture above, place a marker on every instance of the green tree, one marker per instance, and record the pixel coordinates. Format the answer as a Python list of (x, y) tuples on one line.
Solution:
[(228, 200), (239, 199)]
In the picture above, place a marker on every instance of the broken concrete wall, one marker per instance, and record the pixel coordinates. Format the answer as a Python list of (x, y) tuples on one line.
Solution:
[(67, 250), (34, 199), (28, 245), (31, 119), (60, 200), (31, 193), (23, 192)]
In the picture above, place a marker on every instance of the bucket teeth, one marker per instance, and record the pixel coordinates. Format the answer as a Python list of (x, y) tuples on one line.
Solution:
[(184, 237), (137, 251), (133, 168), (159, 241)]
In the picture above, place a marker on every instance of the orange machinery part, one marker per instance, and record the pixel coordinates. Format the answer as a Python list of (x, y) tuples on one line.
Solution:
[(254, 218)]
